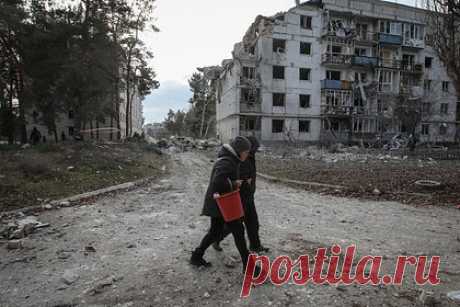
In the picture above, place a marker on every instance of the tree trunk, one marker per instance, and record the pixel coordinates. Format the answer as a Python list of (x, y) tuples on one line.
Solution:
[(22, 109)]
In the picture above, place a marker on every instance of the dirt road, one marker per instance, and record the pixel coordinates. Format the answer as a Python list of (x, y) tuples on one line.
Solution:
[(132, 249)]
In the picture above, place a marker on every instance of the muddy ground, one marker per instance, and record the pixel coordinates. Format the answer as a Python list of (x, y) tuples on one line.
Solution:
[(132, 249), (374, 176)]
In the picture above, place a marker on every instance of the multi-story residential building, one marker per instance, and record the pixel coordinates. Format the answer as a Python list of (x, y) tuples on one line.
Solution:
[(103, 129), (335, 70)]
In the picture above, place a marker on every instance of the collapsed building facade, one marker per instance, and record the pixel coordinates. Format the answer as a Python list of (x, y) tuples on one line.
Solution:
[(335, 71)]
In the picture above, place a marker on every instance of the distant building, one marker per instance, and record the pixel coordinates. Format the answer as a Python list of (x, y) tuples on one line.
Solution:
[(65, 122), (328, 70)]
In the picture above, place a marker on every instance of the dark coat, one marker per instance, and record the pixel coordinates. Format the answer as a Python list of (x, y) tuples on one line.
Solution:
[(248, 170), (223, 176)]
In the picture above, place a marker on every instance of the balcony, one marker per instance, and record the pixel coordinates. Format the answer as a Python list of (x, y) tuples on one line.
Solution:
[(336, 59), (389, 63), (336, 85), (364, 61), (389, 39), (366, 37), (250, 107), (411, 68), (250, 82), (337, 110), (413, 43)]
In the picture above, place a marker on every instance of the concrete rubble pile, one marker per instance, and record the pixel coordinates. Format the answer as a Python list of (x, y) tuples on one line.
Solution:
[(14, 230), (180, 144), (339, 153)]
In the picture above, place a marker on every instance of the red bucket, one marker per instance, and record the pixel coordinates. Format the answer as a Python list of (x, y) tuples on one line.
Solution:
[(230, 206)]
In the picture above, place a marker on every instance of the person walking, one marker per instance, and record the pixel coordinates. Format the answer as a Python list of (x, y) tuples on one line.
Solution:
[(224, 179), (248, 174)]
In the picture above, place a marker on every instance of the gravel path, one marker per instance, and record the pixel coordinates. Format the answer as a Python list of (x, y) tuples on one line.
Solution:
[(131, 249)]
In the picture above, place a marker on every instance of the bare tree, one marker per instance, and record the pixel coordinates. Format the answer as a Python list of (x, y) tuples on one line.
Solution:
[(444, 36)]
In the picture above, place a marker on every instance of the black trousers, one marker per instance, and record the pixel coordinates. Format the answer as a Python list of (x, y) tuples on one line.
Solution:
[(216, 232), (251, 221)]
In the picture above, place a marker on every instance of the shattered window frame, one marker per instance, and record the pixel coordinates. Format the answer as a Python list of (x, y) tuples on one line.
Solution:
[(306, 22), (304, 101), (249, 72), (277, 125), (305, 48), (428, 62), (445, 86), (278, 99), (304, 126), (279, 45), (425, 129), (304, 74), (278, 72)]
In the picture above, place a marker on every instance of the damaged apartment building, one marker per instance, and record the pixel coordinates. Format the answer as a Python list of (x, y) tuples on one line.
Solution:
[(334, 71)]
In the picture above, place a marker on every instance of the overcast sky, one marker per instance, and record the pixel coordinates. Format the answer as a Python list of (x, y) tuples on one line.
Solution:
[(195, 34)]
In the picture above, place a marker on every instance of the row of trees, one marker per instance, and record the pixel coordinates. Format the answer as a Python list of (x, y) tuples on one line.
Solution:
[(57, 56), (200, 119)]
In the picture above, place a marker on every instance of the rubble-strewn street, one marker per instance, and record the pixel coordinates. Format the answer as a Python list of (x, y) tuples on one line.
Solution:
[(132, 248)]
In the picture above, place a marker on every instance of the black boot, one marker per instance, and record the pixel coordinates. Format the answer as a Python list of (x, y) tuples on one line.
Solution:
[(216, 246), (197, 259), (260, 249)]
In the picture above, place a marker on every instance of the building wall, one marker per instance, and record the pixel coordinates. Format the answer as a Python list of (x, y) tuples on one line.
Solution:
[(291, 31)]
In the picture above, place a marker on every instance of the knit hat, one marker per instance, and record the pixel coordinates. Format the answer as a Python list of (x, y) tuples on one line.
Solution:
[(254, 143), (240, 144)]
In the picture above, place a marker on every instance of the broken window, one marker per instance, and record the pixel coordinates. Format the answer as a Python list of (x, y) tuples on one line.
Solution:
[(305, 48), (304, 101), (279, 45), (305, 22), (278, 72), (408, 61), (249, 72), (357, 125), (428, 62), (277, 125), (304, 74), (71, 131), (304, 126), (333, 75), (279, 99), (360, 51), (445, 86), (334, 49), (425, 129), (444, 108), (70, 115), (249, 95), (427, 85), (361, 30), (390, 27)]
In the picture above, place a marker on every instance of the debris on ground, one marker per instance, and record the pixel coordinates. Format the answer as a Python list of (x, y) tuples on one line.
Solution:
[(102, 285), (20, 228), (364, 173)]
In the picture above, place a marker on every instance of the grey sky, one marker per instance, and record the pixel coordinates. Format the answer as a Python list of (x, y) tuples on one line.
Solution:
[(198, 33)]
